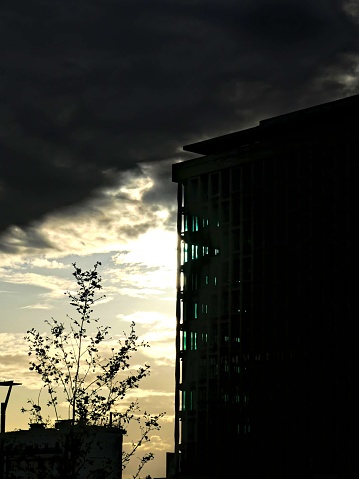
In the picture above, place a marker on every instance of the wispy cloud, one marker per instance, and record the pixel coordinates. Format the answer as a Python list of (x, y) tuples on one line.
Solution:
[(46, 263), (55, 284), (38, 306)]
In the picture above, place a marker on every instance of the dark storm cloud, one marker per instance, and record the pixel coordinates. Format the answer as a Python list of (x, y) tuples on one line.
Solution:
[(16, 239), (92, 87)]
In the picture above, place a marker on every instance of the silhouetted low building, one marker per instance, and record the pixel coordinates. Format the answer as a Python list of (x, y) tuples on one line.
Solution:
[(268, 228), (63, 452)]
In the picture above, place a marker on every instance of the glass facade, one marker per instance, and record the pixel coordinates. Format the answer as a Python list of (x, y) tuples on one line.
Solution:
[(265, 230)]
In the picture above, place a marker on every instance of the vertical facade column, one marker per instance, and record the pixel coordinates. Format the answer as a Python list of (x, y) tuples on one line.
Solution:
[(178, 322)]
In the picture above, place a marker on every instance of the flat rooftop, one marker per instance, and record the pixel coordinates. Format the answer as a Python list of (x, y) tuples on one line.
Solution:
[(342, 111)]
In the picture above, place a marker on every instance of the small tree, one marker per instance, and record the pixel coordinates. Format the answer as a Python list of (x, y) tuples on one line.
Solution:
[(70, 362)]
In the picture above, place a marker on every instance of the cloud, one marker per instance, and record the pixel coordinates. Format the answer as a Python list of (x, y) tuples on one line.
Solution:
[(342, 77), (159, 331), (48, 264), (17, 239), (145, 266), (14, 362), (161, 244), (111, 219), (37, 306), (12, 344), (38, 285), (145, 318), (55, 284), (147, 393), (93, 89), (351, 7)]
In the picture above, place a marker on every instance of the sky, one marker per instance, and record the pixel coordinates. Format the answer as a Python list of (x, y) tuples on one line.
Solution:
[(97, 100)]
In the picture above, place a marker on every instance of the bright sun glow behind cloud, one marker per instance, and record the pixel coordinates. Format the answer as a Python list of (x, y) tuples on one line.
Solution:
[(154, 248), (136, 244)]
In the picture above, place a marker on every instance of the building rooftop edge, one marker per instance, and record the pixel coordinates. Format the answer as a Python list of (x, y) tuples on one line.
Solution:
[(321, 114)]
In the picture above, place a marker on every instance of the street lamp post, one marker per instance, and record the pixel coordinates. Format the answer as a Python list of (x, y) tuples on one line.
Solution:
[(10, 384)]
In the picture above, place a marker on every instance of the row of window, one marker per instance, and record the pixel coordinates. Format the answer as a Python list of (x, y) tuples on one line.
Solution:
[(188, 431), (218, 215), (236, 275), (194, 251), (194, 310), (263, 175), (188, 402), (191, 339)]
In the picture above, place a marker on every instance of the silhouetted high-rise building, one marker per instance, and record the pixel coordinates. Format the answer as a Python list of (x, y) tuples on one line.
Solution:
[(267, 300)]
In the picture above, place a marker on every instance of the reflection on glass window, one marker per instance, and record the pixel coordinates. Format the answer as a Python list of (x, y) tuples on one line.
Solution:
[(184, 341), (193, 340), (186, 256), (194, 223), (194, 251)]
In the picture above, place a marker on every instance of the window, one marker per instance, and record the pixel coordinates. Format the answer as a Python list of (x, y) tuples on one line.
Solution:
[(236, 178), (193, 188), (182, 281), (184, 341), (215, 214), (183, 400), (181, 370), (247, 272), (225, 272), (225, 182), (191, 400), (225, 212), (215, 184), (193, 340), (185, 222), (204, 187), (194, 251), (236, 209), (182, 311), (195, 223), (185, 253)]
